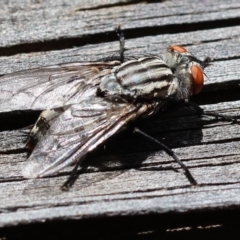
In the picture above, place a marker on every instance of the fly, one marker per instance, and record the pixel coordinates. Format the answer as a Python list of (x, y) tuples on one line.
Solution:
[(86, 103)]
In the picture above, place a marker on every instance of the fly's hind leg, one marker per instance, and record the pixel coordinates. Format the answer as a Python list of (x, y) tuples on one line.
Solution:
[(171, 153), (72, 177)]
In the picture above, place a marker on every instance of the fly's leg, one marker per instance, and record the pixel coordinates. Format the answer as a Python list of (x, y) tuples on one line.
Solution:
[(172, 107), (200, 111), (171, 153), (72, 177), (121, 37), (74, 174)]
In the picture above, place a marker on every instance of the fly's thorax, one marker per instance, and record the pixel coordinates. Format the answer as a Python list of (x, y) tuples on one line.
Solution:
[(146, 78)]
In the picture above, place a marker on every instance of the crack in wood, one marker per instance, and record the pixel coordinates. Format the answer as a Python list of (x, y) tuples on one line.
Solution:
[(130, 33), (119, 4)]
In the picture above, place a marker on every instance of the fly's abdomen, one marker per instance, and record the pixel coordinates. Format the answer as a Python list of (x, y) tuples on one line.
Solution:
[(147, 77)]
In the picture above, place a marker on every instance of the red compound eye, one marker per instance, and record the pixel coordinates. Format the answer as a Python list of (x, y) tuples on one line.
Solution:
[(198, 79), (177, 48)]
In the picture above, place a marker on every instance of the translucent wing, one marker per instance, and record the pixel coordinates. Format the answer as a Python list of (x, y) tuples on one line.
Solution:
[(76, 131), (50, 87)]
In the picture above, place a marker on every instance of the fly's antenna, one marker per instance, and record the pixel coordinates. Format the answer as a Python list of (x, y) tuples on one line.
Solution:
[(121, 37)]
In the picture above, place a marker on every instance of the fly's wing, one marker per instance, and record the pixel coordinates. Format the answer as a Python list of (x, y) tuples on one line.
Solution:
[(76, 131), (50, 87)]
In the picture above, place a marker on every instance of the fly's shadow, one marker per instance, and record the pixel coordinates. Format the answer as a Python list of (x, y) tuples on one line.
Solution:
[(127, 150)]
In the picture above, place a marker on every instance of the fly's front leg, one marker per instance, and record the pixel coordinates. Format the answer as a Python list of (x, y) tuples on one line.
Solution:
[(200, 111), (121, 37), (171, 153)]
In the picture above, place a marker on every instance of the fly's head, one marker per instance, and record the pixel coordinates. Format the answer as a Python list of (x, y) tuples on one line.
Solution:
[(190, 79), (176, 55), (188, 71)]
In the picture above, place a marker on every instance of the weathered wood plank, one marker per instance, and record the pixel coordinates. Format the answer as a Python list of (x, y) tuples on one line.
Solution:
[(65, 21), (129, 176), (116, 185), (93, 197), (224, 70)]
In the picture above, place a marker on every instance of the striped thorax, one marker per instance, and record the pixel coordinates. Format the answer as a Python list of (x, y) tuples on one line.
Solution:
[(178, 76)]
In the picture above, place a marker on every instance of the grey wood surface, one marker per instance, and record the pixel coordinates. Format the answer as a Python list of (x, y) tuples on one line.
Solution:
[(128, 176)]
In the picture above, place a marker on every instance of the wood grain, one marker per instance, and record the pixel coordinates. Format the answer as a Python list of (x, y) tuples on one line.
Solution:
[(127, 177)]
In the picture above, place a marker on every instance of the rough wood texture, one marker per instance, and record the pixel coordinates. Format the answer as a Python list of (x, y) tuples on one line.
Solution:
[(128, 188)]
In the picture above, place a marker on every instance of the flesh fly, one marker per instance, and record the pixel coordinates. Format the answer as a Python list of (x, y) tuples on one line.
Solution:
[(86, 103)]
